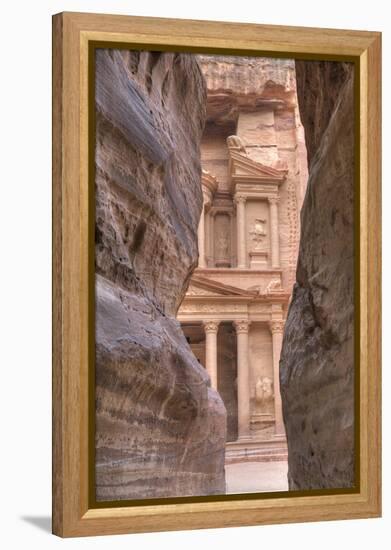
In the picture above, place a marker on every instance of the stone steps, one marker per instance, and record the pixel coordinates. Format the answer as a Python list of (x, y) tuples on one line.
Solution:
[(256, 451)]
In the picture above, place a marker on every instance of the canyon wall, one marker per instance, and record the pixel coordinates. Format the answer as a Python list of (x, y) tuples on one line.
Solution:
[(160, 427), (317, 359)]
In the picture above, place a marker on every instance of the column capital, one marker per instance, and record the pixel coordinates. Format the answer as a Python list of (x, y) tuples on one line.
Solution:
[(211, 326), (242, 326), (273, 200), (240, 199), (276, 326)]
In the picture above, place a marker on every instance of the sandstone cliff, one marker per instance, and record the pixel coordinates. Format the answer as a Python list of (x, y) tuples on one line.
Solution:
[(317, 360), (237, 83), (160, 428)]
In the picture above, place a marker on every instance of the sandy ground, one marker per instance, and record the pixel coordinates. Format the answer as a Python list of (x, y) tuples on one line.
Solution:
[(254, 477)]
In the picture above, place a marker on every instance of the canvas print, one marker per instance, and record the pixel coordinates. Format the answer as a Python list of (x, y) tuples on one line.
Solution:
[(224, 275)]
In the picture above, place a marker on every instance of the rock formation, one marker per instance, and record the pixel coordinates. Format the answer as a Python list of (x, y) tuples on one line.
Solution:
[(160, 428), (236, 84), (318, 89), (317, 360)]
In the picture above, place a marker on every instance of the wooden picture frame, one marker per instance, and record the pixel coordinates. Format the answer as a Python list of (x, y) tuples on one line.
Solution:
[(72, 298)]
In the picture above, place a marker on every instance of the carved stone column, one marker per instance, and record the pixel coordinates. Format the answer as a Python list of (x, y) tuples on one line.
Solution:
[(201, 239), (212, 237), (243, 379), (207, 235), (274, 232), (277, 329), (233, 239), (241, 231), (211, 328)]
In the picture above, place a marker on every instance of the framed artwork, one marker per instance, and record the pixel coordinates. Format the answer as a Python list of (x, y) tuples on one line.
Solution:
[(216, 274)]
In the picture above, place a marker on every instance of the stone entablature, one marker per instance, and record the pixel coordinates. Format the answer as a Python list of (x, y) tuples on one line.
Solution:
[(258, 311), (257, 281)]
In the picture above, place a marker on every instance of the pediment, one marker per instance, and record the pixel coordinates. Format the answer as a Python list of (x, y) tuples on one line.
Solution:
[(242, 165), (202, 286), (195, 290)]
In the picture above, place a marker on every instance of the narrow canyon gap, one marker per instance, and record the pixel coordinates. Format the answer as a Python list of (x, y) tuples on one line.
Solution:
[(254, 178)]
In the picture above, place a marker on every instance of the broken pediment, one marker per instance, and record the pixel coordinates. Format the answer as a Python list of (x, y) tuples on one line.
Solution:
[(194, 290), (241, 166), (202, 286)]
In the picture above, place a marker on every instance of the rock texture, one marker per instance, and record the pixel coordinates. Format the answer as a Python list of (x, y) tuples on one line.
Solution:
[(317, 360), (318, 88), (236, 84), (160, 428)]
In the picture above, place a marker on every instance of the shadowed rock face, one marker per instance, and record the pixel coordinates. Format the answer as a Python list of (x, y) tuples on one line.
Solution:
[(318, 88), (317, 360), (160, 428)]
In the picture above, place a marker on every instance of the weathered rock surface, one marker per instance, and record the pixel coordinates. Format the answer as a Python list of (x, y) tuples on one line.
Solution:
[(318, 89), (160, 428), (317, 360), (237, 83)]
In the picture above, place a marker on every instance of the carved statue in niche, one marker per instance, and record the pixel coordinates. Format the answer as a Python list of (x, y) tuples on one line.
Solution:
[(222, 246), (258, 232), (263, 392)]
